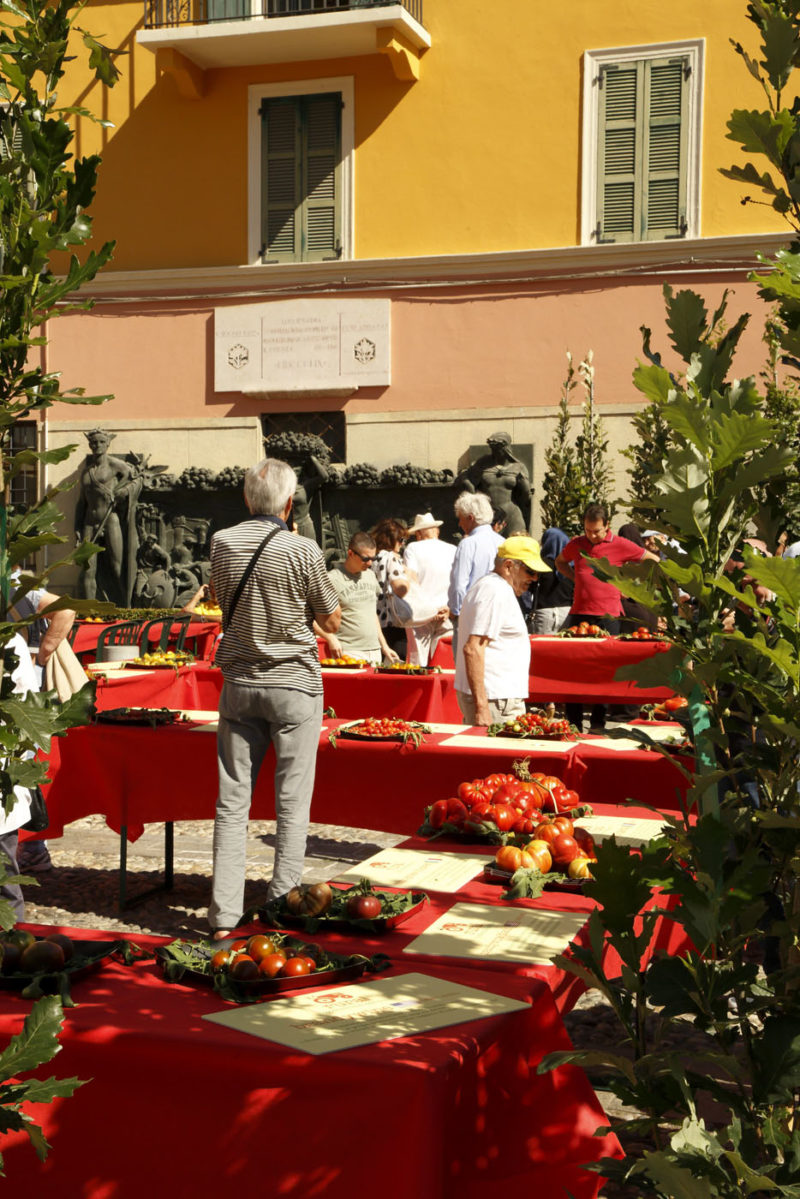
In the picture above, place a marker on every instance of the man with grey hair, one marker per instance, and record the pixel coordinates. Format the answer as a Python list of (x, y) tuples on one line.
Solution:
[(476, 551), (271, 586)]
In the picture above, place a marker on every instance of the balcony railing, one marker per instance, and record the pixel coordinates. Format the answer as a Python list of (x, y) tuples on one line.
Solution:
[(161, 14)]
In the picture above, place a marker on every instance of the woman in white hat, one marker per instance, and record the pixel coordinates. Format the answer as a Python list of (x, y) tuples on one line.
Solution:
[(430, 561)]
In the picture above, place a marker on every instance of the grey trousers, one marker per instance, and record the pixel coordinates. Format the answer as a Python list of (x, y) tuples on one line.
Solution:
[(250, 719)]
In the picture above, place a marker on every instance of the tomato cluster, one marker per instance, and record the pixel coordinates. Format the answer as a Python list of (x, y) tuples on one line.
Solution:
[(534, 724), (511, 804), (344, 660), (261, 956), (556, 841), (642, 634), (382, 726), (584, 629)]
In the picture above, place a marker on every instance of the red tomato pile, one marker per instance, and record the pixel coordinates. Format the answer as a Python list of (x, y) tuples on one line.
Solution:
[(556, 842), (382, 726), (534, 724), (584, 629), (261, 957), (510, 804), (642, 634)]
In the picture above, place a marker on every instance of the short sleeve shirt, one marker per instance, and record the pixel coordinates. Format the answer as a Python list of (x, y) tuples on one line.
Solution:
[(270, 640), (490, 609), (358, 597), (593, 596)]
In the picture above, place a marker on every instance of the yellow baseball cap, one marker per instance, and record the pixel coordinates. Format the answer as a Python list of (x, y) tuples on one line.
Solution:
[(524, 549)]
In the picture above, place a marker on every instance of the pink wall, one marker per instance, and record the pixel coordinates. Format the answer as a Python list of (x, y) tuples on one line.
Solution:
[(453, 348)]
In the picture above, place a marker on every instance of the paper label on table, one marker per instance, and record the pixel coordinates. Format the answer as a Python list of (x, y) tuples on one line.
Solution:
[(471, 930), (117, 668), (521, 744), (417, 869), (629, 830), (366, 1013), (194, 714)]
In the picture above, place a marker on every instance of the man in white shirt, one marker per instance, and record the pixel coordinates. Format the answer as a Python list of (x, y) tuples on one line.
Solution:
[(494, 652), (430, 561)]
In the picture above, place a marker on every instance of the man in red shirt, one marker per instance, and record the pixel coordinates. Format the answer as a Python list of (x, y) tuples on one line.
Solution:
[(595, 600)]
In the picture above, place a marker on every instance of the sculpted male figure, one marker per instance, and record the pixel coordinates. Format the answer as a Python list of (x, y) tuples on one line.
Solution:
[(105, 515)]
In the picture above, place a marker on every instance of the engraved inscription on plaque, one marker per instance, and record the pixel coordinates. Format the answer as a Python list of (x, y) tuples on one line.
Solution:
[(303, 345)]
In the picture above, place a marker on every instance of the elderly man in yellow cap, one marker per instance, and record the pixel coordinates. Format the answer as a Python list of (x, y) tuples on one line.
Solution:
[(430, 561), (494, 653)]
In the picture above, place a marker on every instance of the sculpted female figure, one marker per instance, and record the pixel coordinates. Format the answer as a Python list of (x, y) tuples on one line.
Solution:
[(504, 479), (105, 515)]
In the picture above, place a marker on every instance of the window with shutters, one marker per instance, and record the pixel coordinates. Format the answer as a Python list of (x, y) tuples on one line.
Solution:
[(301, 168), (641, 163)]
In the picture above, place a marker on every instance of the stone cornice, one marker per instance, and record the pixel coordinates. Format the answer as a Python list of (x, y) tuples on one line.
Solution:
[(722, 255)]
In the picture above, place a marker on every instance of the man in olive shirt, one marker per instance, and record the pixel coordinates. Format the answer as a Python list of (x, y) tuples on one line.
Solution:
[(357, 589)]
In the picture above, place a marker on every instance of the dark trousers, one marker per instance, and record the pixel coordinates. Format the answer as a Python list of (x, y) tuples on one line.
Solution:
[(8, 858), (574, 712)]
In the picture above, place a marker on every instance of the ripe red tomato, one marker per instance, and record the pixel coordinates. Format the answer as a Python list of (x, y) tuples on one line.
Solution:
[(480, 810), (272, 964), (524, 825), (675, 702), (492, 782), (585, 841), (503, 816), (221, 959), (438, 813), (293, 968), (238, 946), (506, 793), (259, 946), (471, 792), (457, 811), (363, 907), (546, 832), (312, 965), (565, 848), (570, 799), (564, 824)]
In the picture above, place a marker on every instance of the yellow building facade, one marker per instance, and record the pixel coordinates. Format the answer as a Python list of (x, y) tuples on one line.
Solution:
[(511, 180)]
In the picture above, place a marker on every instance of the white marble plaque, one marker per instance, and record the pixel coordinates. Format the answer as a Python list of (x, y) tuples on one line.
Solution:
[(302, 345)]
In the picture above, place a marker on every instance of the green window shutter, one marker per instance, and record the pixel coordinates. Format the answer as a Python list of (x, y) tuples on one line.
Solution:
[(642, 150), (301, 178)]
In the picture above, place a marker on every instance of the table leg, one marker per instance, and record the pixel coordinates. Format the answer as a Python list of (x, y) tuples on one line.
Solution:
[(169, 867)]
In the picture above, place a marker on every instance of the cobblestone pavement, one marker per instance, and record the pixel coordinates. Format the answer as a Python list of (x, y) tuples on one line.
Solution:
[(82, 891)]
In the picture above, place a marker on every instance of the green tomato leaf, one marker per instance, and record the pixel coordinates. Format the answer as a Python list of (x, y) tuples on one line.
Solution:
[(37, 1043)]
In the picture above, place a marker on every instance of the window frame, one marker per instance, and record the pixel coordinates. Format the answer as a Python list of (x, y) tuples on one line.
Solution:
[(593, 63), (344, 85)]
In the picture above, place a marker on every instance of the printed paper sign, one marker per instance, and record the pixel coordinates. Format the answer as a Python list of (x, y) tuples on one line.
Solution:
[(364, 1014), (524, 935), (418, 869)]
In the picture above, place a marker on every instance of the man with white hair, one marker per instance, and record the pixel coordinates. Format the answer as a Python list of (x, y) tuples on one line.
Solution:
[(430, 561), (271, 586), (475, 554)]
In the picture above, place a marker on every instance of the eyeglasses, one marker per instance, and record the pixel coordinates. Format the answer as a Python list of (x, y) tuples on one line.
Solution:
[(363, 557), (530, 573)]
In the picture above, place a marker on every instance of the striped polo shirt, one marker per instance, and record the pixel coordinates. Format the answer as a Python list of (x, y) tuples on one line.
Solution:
[(270, 641)]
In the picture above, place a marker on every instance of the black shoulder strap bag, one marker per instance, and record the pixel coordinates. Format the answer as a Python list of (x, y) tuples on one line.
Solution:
[(251, 565)]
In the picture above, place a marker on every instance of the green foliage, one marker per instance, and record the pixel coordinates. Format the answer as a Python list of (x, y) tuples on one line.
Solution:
[(575, 475), (31, 1048), (732, 619), (44, 197)]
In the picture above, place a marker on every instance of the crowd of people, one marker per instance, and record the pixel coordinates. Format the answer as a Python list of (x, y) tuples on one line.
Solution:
[(399, 590)]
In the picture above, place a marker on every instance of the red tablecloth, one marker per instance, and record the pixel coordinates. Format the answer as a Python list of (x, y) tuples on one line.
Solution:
[(565, 669), (351, 693), (135, 776), (200, 637), (177, 1105)]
